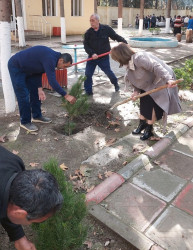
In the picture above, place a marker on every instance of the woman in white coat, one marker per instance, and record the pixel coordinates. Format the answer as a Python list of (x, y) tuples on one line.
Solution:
[(145, 72)]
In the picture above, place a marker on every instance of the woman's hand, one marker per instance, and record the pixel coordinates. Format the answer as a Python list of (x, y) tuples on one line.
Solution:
[(171, 84), (94, 56), (41, 94), (133, 96)]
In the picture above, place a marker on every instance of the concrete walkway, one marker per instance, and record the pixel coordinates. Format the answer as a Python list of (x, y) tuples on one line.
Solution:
[(149, 202)]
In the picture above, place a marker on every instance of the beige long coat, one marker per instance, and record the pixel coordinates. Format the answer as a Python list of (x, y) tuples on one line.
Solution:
[(145, 71)]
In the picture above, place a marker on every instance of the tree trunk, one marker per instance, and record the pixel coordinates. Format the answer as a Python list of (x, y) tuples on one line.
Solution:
[(120, 19), (20, 23), (168, 14), (62, 22), (5, 44), (141, 17), (95, 6)]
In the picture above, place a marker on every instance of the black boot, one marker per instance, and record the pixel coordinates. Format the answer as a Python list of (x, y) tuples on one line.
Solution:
[(147, 133), (142, 125)]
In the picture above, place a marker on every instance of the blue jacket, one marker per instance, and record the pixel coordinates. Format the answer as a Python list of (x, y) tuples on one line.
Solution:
[(190, 24), (10, 166), (38, 60)]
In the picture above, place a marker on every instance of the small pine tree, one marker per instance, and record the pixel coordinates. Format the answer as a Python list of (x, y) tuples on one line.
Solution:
[(80, 107), (65, 230)]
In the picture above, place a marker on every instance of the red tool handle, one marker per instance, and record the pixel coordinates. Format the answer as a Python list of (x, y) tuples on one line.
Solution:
[(89, 59)]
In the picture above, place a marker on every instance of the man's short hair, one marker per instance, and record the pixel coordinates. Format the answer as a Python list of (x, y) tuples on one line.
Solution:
[(66, 57), (96, 16), (37, 192)]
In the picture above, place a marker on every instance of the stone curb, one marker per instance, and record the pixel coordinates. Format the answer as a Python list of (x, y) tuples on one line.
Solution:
[(105, 188)]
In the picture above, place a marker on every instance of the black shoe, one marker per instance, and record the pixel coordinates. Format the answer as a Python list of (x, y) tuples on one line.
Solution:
[(30, 127), (147, 133), (42, 119), (116, 87), (142, 125)]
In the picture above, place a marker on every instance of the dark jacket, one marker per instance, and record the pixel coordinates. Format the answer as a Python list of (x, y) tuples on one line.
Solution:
[(36, 61), (97, 42), (10, 166)]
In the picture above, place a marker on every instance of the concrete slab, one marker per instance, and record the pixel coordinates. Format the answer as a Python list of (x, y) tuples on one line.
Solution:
[(160, 183), (184, 200), (134, 206), (177, 132), (189, 122), (185, 144), (177, 163), (173, 230), (131, 235)]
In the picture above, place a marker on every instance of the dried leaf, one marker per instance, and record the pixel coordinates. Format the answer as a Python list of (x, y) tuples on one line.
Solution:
[(56, 139), (114, 123), (90, 189), (153, 138), (107, 243), (100, 176), (63, 167), (108, 115), (34, 164), (117, 129), (125, 163), (157, 162), (108, 173), (89, 244), (15, 152), (111, 141), (74, 177), (2, 138), (38, 139), (138, 148), (79, 185)]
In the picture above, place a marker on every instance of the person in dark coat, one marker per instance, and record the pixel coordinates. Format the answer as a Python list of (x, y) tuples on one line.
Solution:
[(26, 197), (96, 42), (178, 23), (145, 72), (26, 68)]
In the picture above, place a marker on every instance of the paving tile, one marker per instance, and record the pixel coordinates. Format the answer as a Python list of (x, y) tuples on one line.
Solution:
[(185, 144), (133, 206), (189, 121), (177, 132), (160, 183), (177, 163), (173, 230), (184, 200)]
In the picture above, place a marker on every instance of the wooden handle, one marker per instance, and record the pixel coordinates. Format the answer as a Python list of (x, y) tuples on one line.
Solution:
[(146, 93)]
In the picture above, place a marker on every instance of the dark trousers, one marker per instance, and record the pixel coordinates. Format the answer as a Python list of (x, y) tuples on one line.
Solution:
[(26, 90), (104, 65)]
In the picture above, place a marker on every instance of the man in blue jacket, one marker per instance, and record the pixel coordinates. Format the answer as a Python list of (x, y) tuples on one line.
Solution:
[(26, 197), (96, 42), (26, 68)]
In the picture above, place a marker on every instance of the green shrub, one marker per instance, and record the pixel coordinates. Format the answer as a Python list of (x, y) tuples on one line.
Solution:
[(186, 73), (65, 230), (80, 107)]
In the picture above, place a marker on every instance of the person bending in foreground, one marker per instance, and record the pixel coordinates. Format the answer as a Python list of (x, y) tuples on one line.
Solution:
[(26, 197), (26, 68), (145, 72), (96, 42)]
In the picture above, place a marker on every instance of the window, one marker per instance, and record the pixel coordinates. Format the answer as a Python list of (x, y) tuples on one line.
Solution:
[(49, 7), (76, 7)]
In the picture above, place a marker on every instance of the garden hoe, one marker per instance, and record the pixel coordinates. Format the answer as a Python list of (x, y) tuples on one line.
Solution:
[(109, 113)]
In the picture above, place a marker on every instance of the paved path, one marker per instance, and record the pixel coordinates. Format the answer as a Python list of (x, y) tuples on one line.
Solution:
[(149, 201)]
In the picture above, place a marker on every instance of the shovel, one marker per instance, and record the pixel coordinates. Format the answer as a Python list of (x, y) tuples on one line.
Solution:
[(109, 114)]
